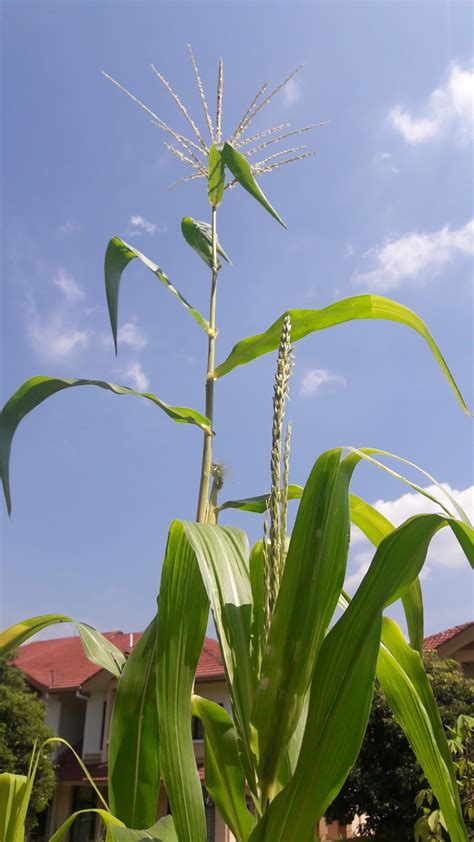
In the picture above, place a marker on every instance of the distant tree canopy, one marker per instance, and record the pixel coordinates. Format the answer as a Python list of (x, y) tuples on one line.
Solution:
[(21, 724), (385, 780)]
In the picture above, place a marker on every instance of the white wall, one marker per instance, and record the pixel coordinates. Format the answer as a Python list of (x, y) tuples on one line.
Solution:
[(93, 724)]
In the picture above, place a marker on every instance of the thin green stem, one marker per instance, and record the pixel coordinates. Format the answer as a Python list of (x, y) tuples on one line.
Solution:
[(203, 498)]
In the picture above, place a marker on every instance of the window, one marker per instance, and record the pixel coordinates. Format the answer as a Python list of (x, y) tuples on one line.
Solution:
[(197, 728), (83, 829)]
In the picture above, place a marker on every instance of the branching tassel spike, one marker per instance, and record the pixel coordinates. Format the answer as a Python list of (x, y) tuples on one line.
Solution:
[(220, 86)]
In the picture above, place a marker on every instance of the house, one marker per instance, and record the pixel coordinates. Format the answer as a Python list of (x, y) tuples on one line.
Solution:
[(457, 643), (79, 698)]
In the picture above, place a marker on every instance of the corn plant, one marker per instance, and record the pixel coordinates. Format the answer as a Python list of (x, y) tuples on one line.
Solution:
[(300, 681)]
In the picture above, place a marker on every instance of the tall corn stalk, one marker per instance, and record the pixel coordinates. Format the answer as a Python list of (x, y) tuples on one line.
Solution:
[(300, 682)]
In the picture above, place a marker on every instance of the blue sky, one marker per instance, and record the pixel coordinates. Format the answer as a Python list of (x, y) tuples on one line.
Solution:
[(385, 206)]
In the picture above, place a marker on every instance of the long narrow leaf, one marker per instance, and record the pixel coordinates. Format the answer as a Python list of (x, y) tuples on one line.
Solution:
[(216, 177), (182, 620), (96, 648), (310, 587), (222, 556), (256, 568), (134, 762), (162, 831), (403, 680), (117, 257), (342, 687), (304, 322), (108, 821), (198, 235), (12, 793), (376, 527), (37, 389), (225, 781), (242, 172)]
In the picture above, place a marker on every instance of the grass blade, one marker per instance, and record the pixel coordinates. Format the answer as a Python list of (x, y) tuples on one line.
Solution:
[(313, 577), (198, 235), (96, 648), (225, 781), (216, 177), (134, 762), (182, 621), (37, 389), (242, 172), (304, 322), (117, 257)]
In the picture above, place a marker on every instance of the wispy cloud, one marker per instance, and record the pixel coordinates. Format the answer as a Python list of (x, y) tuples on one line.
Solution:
[(68, 286), (362, 560), (138, 226), (415, 257), (52, 337), (67, 228), (384, 161), (291, 93), (319, 379), (449, 110), (134, 376), (130, 334)]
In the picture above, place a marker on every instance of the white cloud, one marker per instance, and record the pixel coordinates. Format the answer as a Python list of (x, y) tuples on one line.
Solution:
[(68, 228), (138, 226), (414, 257), (68, 286), (134, 376), (315, 380), (444, 550), (291, 93), (133, 336), (52, 338), (384, 160), (449, 109)]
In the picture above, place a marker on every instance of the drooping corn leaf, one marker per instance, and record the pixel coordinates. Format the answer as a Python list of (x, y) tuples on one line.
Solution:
[(222, 555), (117, 257), (199, 236), (108, 820), (96, 648), (182, 619), (342, 687), (12, 792), (376, 527), (134, 761), (35, 390), (216, 177), (242, 172), (311, 583), (224, 777), (162, 831), (304, 322), (403, 679), (259, 503)]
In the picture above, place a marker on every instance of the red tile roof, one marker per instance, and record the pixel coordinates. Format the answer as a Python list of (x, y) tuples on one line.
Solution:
[(434, 641), (60, 664)]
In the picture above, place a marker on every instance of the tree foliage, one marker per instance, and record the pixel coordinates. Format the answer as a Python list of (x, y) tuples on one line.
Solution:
[(21, 725), (385, 780)]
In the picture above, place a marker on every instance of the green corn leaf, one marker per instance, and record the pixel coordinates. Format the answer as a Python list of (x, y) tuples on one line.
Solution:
[(256, 570), (161, 831), (96, 648), (134, 763), (304, 322), (242, 172), (12, 793), (312, 581), (109, 822), (259, 504), (225, 781), (37, 389), (376, 527), (182, 620), (342, 687), (117, 257), (403, 679), (199, 236), (222, 555), (216, 177)]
